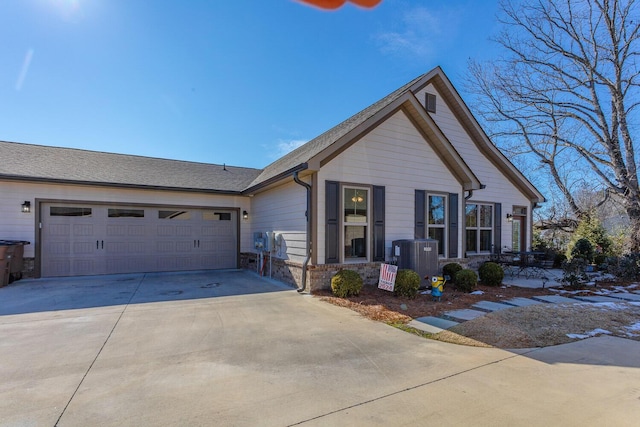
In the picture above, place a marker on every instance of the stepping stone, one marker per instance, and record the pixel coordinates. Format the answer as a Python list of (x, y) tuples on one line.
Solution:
[(555, 299), (597, 298), (432, 324), (626, 296), (490, 306), (465, 314), (521, 302)]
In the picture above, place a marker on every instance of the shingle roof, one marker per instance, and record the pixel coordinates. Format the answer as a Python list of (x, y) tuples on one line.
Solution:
[(37, 162)]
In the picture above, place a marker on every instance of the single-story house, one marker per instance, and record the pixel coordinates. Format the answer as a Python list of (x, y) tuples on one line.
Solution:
[(416, 164)]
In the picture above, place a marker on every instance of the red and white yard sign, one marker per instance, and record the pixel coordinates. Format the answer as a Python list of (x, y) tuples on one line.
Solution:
[(387, 276)]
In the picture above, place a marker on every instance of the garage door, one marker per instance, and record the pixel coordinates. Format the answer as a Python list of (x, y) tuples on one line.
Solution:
[(85, 239)]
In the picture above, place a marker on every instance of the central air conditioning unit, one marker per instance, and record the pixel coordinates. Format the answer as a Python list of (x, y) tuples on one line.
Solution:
[(419, 255)]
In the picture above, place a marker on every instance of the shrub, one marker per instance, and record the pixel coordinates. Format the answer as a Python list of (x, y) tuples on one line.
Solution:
[(451, 270), (346, 283), (491, 274), (573, 272), (558, 260), (466, 280), (407, 283), (626, 267), (582, 249)]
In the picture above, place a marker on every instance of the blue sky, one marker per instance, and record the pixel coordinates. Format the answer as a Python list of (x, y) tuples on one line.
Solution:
[(219, 81)]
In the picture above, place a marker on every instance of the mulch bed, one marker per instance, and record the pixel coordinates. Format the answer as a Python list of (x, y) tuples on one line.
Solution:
[(520, 327), (383, 306)]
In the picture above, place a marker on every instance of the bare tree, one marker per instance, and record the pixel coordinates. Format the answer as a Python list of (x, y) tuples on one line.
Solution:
[(566, 93)]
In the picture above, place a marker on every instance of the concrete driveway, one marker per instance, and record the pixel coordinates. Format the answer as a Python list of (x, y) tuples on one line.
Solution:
[(230, 348)]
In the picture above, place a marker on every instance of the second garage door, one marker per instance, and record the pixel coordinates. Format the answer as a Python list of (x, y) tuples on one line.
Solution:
[(85, 239)]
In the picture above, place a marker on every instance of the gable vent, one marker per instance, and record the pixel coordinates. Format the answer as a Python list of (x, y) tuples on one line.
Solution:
[(430, 102)]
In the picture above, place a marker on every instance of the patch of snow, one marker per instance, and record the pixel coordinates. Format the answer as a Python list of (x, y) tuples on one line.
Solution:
[(634, 327), (593, 333), (611, 305), (477, 293)]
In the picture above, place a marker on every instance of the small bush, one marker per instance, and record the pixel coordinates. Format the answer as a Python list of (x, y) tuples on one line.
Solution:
[(466, 280), (491, 274), (558, 259), (451, 270), (626, 267), (583, 249), (407, 283), (346, 283), (573, 272)]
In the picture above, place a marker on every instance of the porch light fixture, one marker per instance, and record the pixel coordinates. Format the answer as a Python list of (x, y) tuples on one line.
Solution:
[(509, 217), (245, 215), (26, 206)]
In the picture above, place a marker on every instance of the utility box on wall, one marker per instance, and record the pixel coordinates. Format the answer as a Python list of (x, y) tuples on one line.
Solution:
[(419, 255)]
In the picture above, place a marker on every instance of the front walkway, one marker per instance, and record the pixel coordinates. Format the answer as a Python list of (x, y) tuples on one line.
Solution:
[(449, 319)]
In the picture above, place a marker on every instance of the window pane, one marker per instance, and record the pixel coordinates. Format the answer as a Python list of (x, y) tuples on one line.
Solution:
[(355, 205), (174, 215), (515, 236), (69, 211), (472, 241), (486, 215), (436, 209), (485, 240), (355, 241), (438, 234), (126, 213), (471, 215), (216, 216)]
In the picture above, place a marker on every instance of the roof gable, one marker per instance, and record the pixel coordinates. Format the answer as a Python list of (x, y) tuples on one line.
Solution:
[(323, 148)]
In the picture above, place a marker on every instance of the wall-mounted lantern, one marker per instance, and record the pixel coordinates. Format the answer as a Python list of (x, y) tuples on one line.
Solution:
[(509, 217), (26, 206), (245, 215)]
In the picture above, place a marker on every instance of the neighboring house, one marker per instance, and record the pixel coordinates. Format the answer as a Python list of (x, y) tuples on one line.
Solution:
[(415, 164)]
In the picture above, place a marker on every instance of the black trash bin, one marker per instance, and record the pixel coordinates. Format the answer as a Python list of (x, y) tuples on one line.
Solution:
[(6, 252), (15, 252)]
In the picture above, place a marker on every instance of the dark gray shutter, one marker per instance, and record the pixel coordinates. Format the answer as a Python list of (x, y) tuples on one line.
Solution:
[(497, 229), (332, 224), (378, 223), (420, 228), (453, 225)]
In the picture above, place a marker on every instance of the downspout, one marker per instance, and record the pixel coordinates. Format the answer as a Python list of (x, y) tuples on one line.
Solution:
[(308, 215)]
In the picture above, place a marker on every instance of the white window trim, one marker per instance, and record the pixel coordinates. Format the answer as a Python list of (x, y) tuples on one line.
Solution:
[(478, 228), (444, 226), (344, 223)]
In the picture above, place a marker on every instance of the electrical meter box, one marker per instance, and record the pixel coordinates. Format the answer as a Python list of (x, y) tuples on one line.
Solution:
[(259, 240), (269, 240), (264, 241)]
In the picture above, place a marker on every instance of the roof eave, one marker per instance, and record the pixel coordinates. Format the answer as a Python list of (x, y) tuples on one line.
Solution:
[(477, 134), (275, 180), (118, 185), (430, 131)]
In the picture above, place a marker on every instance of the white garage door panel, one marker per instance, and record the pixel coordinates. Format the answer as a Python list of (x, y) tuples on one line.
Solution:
[(80, 239)]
